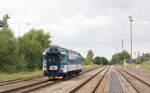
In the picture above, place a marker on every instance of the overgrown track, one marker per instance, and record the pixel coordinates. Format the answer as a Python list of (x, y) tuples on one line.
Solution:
[(20, 80), (85, 82), (120, 70), (41, 84)]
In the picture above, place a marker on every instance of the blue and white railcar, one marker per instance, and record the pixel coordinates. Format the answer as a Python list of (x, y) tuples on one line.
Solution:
[(59, 62)]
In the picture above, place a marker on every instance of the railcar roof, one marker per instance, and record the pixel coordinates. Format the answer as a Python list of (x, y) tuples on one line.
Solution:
[(60, 49)]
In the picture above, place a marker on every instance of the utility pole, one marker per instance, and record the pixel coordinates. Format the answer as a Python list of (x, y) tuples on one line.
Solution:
[(122, 44), (116, 49), (131, 20)]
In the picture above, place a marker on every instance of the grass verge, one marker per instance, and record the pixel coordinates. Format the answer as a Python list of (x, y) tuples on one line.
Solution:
[(144, 65), (6, 76)]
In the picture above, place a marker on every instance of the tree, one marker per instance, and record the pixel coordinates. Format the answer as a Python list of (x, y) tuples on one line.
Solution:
[(104, 61), (144, 58), (90, 55), (124, 55), (8, 50), (118, 58), (24, 53), (97, 60), (32, 45), (100, 60), (115, 59), (5, 19)]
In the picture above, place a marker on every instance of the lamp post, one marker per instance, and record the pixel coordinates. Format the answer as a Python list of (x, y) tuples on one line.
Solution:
[(130, 19)]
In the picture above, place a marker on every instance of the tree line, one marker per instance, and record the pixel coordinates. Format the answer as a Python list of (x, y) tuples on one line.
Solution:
[(22, 53), (89, 59), (145, 57), (118, 58)]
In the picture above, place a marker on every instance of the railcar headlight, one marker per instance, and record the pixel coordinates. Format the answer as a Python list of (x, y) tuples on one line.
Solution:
[(61, 67), (44, 67)]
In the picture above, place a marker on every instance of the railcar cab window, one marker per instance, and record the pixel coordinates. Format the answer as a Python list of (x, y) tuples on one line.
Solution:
[(62, 58), (51, 58)]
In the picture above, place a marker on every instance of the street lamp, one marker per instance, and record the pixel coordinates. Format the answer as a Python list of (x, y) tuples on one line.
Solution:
[(131, 19)]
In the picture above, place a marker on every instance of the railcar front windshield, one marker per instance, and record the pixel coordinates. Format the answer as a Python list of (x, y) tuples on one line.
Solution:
[(53, 58)]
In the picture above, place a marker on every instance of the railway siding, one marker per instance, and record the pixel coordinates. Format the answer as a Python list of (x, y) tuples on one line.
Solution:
[(140, 78), (144, 75), (139, 85), (127, 87)]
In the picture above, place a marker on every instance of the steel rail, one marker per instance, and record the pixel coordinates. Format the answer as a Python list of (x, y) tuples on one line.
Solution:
[(128, 80), (94, 90), (82, 84), (68, 78), (30, 78), (42, 82), (136, 77)]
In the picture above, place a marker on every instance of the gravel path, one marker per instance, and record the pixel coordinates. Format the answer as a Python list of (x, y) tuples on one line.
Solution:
[(115, 86)]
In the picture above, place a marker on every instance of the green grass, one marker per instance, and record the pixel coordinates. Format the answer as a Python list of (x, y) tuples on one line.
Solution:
[(5, 76), (145, 65)]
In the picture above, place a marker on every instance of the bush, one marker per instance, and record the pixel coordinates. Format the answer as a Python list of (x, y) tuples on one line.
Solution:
[(138, 62)]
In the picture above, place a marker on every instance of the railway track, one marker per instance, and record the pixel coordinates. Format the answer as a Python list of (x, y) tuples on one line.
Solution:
[(20, 80), (138, 84), (77, 89), (29, 78), (40, 84)]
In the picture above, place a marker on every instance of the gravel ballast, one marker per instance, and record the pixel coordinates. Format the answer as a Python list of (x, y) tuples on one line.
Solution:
[(115, 86)]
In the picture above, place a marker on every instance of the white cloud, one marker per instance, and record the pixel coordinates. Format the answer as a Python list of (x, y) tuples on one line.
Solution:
[(84, 24), (83, 32), (80, 25)]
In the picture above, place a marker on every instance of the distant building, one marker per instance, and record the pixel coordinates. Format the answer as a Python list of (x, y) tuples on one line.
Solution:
[(127, 61)]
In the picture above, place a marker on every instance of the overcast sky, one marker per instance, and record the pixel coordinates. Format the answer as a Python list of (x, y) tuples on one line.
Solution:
[(84, 24)]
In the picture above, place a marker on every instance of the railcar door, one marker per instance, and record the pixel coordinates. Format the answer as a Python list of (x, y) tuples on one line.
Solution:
[(53, 63)]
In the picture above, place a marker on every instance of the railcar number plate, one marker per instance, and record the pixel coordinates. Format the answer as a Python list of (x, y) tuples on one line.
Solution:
[(53, 67)]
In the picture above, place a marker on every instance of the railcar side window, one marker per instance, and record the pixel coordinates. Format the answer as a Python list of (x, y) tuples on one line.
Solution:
[(62, 58)]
